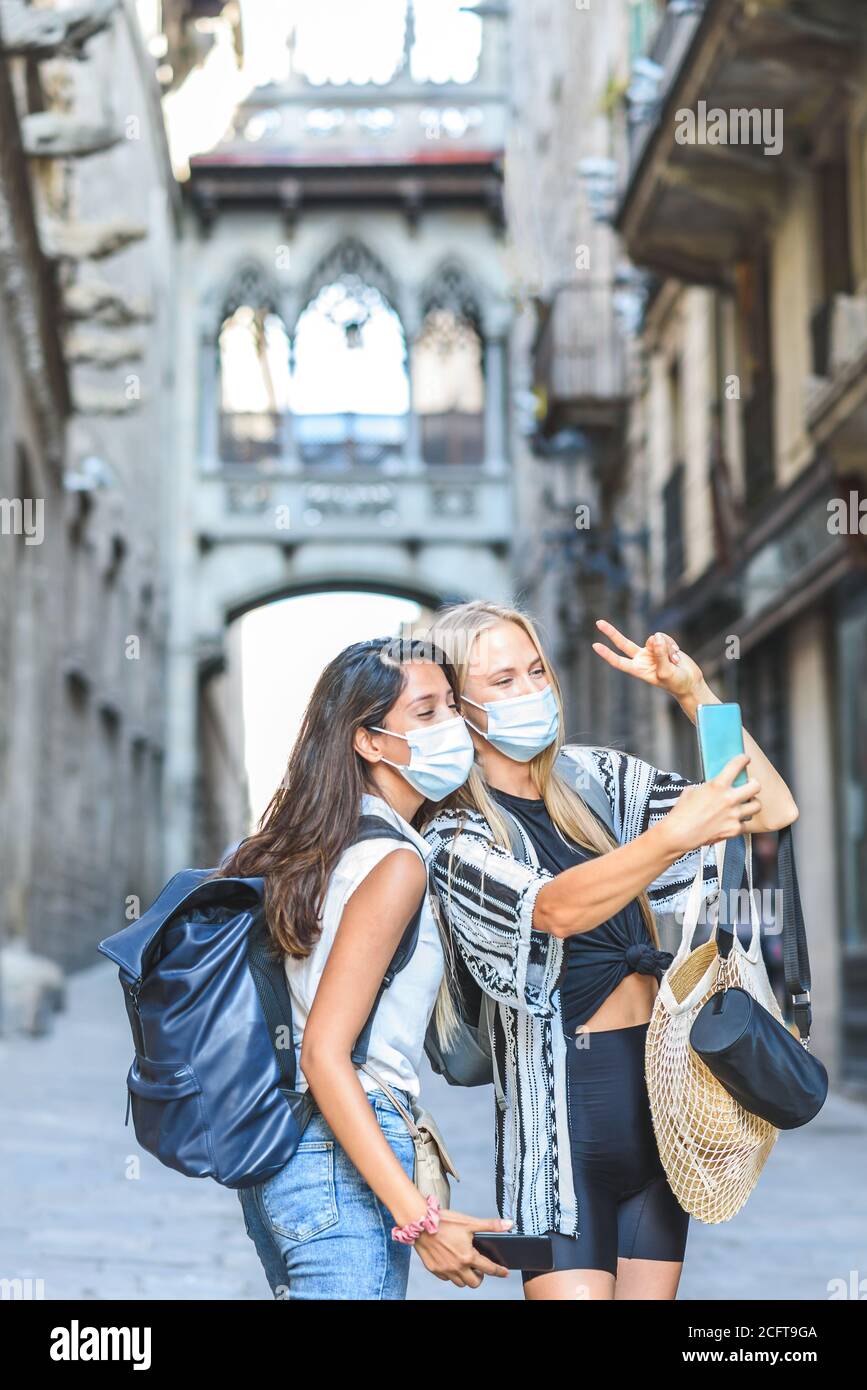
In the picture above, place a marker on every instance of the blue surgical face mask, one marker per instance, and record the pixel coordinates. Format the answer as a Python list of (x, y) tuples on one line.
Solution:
[(520, 727), (441, 756)]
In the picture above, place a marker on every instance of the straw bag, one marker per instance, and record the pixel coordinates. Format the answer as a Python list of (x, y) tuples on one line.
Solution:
[(711, 1148), (432, 1162)]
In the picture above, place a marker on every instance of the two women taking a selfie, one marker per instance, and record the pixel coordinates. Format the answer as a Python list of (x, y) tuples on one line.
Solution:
[(457, 743)]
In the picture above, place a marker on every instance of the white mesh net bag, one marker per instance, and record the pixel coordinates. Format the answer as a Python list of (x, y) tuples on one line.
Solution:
[(711, 1148)]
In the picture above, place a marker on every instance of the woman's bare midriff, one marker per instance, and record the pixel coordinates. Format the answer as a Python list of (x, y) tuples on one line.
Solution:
[(627, 1005)]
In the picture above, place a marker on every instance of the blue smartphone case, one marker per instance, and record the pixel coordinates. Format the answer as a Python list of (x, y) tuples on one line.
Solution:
[(720, 738)]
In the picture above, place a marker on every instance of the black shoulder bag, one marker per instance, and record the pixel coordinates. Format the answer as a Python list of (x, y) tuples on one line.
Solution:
[(756, 1058)]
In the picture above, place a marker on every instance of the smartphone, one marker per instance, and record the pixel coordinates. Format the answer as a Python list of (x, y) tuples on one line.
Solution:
[(720, 738), (514, 1251)]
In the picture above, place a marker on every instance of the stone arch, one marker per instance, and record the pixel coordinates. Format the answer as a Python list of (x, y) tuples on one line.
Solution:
[(450, 286), (338, 583), (248, 281), (350, 256), (350, 405)]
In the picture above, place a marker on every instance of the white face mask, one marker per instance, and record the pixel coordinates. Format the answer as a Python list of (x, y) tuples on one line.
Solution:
[(441, 756), (520, 727)]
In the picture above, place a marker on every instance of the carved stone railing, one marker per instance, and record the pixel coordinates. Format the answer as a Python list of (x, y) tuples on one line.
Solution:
[(439, 504)]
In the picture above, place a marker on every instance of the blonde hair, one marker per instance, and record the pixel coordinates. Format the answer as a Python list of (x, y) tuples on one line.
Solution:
[(455, 631)]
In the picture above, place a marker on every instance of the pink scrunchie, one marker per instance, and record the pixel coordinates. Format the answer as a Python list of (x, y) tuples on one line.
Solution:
[(408, 1234)]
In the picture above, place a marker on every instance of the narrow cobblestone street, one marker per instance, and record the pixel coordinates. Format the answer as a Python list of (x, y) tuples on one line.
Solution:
[(73, 1219)]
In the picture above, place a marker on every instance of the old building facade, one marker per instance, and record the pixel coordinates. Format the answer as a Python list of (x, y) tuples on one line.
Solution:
[(581, 513), (343, 326), (86, 391), (753, 411), (741, 446)]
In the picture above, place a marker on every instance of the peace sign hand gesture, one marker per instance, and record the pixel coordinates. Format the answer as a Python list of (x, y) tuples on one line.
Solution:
[(659, 662)]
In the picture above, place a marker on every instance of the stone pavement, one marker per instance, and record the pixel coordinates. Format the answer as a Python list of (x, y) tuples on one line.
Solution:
[(72, 1215)]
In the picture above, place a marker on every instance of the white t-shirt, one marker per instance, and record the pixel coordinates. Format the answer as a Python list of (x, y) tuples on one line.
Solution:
[(397, 1037)]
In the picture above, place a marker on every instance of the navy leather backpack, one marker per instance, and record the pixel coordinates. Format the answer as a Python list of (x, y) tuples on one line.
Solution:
[(212, 1085)]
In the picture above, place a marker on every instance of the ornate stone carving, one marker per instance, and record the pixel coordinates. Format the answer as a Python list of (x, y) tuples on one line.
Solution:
[(451, 288), (453, 501), (250, 284), (51, 33), (350, 257), (104, 303), (51, 135), (90, 400), (101, 350), (23, 287), (80, 241)]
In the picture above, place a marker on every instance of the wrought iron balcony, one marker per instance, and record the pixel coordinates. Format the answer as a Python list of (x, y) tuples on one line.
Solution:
[(579, 359)]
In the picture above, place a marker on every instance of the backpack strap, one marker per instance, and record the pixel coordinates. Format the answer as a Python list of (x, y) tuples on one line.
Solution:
[(272, 987), (269, 976), (378, 828), (583, 777)]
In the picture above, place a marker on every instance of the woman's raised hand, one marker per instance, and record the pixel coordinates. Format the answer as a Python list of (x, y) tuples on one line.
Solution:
[(659, 662), (713, 810), (450, 1253)]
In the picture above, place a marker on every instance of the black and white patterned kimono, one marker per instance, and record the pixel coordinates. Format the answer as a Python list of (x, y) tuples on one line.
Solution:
[(488, 898)]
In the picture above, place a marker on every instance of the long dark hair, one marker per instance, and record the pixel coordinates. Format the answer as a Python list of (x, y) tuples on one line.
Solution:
[(313, 814)]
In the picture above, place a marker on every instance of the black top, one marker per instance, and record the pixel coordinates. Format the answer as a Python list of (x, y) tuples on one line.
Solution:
[(597, 960)]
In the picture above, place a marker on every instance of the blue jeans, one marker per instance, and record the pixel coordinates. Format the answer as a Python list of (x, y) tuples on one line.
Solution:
[(319, 1229)]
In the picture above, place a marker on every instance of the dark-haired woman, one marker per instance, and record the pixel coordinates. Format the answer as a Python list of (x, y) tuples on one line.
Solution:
[(381, 734)]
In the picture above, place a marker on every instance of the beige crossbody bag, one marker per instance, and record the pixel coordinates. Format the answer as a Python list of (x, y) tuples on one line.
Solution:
[(432, 1162)]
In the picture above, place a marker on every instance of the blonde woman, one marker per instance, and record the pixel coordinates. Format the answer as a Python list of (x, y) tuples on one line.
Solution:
[(564, 939)]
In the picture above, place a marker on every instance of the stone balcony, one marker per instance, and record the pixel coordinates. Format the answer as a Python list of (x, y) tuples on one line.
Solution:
[(723, 114), (355, 505)]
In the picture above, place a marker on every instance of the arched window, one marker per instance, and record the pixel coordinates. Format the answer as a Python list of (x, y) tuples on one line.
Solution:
[(447, 375), (254, 373), (349, 390)]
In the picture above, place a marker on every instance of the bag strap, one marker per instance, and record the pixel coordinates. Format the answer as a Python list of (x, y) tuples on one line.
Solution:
[(734, 864), (269, 975), (272, 987), (378, 828), (585, 780), (796, 959), (486, 1022), (410, 1122)]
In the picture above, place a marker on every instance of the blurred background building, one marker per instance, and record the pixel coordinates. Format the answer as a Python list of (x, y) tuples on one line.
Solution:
[(342, 352), (323, 305), (89, 221), (695, 344)]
